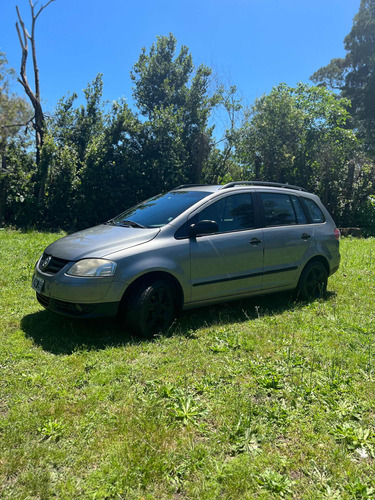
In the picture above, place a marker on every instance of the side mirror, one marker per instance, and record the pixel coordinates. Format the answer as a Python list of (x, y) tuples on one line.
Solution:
[(203, 227)]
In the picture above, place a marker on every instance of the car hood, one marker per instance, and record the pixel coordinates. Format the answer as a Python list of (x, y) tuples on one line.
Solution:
[(99, 241)]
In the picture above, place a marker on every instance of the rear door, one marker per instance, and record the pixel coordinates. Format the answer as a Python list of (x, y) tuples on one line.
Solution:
[(287, 238)]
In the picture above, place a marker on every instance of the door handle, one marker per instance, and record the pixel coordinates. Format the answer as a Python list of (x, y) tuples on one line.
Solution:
[(305, 236), (254, 242)]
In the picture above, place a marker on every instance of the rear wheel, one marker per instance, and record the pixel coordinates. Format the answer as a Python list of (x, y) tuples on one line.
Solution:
[(313, 281), (151, 309)]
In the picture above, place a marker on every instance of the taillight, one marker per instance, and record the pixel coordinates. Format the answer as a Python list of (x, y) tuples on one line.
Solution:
[(337, 233)]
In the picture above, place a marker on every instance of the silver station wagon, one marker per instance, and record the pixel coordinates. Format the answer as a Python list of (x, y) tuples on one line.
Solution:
[(193, 246)]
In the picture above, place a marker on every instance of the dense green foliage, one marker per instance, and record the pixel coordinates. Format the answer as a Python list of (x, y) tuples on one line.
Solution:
[(354, 75), (264, 398), (98, 158), (300, 135), (102, 159), (14, 113)]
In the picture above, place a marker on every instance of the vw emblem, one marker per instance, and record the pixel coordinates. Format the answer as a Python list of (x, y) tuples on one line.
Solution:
[(44, 262)]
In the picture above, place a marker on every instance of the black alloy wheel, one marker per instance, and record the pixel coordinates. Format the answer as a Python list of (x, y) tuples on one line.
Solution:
[(152, 309), (313, 281)]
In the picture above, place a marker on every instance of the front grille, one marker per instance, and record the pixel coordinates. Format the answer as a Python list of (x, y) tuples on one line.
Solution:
[(42, 299), (69, 308), (65, 307), (54, 265)]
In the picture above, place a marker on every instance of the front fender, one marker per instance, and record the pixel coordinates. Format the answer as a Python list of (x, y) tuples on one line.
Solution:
[(173, 260)]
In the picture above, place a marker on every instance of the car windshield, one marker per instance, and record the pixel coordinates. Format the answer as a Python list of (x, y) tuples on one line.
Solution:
[(160, 210)]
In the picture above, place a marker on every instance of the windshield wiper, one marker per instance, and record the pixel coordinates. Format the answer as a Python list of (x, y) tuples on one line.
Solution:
[(127, 223), (110, 221)]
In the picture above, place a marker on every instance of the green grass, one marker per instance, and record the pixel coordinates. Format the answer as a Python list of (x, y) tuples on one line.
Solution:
[(263, 398)]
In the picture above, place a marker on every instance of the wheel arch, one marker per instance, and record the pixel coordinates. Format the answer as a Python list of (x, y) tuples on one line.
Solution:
[(150, 278), (317, 258), (308, 290)]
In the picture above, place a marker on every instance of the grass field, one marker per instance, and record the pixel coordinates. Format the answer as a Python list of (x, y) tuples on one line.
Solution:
[(264, 398)]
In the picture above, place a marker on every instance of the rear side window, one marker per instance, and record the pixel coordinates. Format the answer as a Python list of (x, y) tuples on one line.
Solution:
[(282, 209), (316, 215)]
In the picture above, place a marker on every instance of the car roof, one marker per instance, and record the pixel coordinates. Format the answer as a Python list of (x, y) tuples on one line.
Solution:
[(211, 188)]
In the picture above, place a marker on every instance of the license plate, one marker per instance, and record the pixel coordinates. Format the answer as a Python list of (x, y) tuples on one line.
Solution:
[(37, 284)]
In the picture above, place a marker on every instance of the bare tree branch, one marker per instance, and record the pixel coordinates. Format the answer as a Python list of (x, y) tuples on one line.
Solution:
[(14, 125), (19, 36), (41, 8), (34, 96), (24, 46)]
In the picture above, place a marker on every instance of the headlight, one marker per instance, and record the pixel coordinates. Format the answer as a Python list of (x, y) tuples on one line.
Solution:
[(93, 267)]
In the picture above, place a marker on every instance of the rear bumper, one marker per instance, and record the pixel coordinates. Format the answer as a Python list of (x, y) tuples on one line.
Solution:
[(76, 310)]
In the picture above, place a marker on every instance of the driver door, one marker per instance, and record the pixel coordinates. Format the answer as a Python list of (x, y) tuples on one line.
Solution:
[(229, 262)]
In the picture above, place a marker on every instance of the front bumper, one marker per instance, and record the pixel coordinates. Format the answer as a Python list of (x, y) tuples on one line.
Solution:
[(77, 310), (77, 297)]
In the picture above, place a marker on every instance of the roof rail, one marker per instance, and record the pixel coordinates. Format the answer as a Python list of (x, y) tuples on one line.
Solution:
[(183, 186), (260, 183)]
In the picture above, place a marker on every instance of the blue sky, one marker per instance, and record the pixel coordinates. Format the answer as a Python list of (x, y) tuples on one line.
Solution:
[(254, 44)]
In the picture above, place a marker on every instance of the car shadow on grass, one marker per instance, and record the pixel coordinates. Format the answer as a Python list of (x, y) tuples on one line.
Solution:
[(239, 311), (60, 335)]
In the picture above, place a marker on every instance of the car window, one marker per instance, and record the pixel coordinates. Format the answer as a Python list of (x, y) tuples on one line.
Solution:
[(298, 210), (232, 213), (316, 215), (160, 210), (278, 209)]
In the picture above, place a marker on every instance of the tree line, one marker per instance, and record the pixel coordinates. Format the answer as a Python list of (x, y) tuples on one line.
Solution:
[(85, 163)]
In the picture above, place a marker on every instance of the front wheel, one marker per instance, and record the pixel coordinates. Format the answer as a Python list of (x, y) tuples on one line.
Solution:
[(313, 281), (152, 308)]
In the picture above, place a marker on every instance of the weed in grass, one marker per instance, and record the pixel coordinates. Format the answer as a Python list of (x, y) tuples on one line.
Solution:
[(52, 430), (330, 493), (246, 437), (360, 489), (271, 379), (319, 473), (187, 466), (187, 410), (207, 385), (347, 410), (354, 437), (181, 403), (226, 340), (276, 483)]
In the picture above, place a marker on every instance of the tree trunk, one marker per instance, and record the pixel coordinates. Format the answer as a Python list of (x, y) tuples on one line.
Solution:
[(34, 96), (3, 186)]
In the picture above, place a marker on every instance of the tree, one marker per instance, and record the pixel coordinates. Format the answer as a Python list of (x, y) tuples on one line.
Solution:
[(72, 131), (94, 160), (14, 111), (34, 95), (271, 136), (14, 114), (222, 165), (111, 178), (167, 85), (354, 75), (160, 77), (300, 136)]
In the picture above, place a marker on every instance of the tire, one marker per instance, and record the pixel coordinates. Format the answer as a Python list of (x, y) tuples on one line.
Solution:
[(151, 310), (313, 281)]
